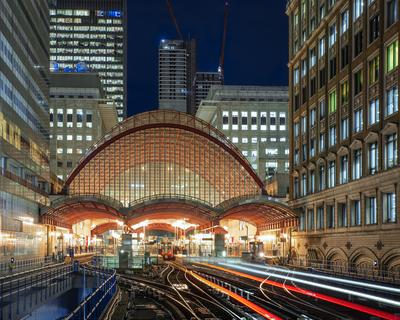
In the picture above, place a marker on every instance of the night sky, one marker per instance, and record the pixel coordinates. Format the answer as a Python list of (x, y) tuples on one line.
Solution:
[(256, 50)]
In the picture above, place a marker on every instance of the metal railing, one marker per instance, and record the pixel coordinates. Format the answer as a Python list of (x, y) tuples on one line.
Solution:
[(23, 264), (95, 304), (22, 181), (346, 270), (21, 293)]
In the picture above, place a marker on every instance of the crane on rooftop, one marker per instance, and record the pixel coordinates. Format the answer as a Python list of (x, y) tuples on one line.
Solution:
[(223, 43), (172, 15)]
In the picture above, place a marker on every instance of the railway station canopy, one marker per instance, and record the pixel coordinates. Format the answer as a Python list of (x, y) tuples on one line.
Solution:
[(163, 165)]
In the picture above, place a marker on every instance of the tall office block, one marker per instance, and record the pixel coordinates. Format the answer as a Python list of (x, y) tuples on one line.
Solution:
[(79, 116), (24, 128), (254, 118), (176, 73), (344, 120), (92, 32)]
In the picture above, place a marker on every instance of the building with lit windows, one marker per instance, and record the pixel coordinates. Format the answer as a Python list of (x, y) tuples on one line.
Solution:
[(255, 120), (92, 32), (24, 129), (344, 120), (203, 83), (79, 116), (176, 75)]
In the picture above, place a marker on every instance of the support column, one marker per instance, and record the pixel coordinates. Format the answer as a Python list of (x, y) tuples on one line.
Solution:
[(219, 244)]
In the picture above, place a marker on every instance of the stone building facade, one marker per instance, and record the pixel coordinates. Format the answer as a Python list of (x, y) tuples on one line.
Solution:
[(344, 122)]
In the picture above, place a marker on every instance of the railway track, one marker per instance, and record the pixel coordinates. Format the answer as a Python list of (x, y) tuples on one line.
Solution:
[(192, 301), (283, 302)]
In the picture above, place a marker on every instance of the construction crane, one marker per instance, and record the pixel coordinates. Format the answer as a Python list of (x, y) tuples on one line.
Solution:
[(222, 54), (172, 15)]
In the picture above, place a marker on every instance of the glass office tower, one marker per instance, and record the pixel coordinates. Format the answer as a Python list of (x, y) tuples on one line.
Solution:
[(24, 132), (91, 34)]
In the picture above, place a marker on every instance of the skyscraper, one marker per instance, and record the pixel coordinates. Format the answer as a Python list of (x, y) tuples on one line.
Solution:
[(176, 73), (24, 126), (92, 32), (344, 114)]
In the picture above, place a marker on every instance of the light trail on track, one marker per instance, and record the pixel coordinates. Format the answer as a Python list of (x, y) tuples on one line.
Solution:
[(338, 301), (254, 307), (327, 278)]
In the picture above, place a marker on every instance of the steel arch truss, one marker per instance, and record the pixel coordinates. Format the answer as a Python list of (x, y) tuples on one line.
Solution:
[(164, 164), (164, 153)]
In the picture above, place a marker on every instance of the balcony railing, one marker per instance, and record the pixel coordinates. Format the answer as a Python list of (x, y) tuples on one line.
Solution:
[(22, 181)]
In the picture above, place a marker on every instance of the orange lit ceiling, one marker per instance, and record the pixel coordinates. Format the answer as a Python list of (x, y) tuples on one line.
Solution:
[(165, 165)]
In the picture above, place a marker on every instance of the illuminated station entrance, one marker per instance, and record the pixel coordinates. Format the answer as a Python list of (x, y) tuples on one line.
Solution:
[(165, 180)]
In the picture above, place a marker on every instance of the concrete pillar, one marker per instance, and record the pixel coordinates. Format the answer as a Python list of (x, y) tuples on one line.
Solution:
[(379, 211), (219, 244), (125, 250)]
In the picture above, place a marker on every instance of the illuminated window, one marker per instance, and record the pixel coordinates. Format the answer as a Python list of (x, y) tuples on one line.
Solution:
[(332, 101), (235, 120), (373, 111), (321, 47), (271, 151), (59, 137), (282, 121), (332, 35), (358, 6), (245, 140), (59, 150), (263, 121), (345, 21), (389, 207), (373, 70), (272, 120), (344, 92), (358, 120), (88, 138), (69, 150), (79, 137), (69, 137), (79, 118), (254, 120), (244, 119), (370, 210), (392, 53), (392, 101)]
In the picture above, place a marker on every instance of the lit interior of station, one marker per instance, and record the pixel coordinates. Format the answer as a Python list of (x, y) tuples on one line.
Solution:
[(175, 183)]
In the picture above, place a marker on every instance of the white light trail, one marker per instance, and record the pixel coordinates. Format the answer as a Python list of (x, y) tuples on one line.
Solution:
[(328, 278), (319, 285)]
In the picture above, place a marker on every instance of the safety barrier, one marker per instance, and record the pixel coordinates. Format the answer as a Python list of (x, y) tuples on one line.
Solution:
[(24, 264), (351, 271), (96, 303), (22, 292)]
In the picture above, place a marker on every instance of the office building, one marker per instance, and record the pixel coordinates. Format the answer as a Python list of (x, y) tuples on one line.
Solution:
[(255, 120), (24, 129), (79, 116), (176, 74), (203, 83), (92, 32), (344, 79)]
